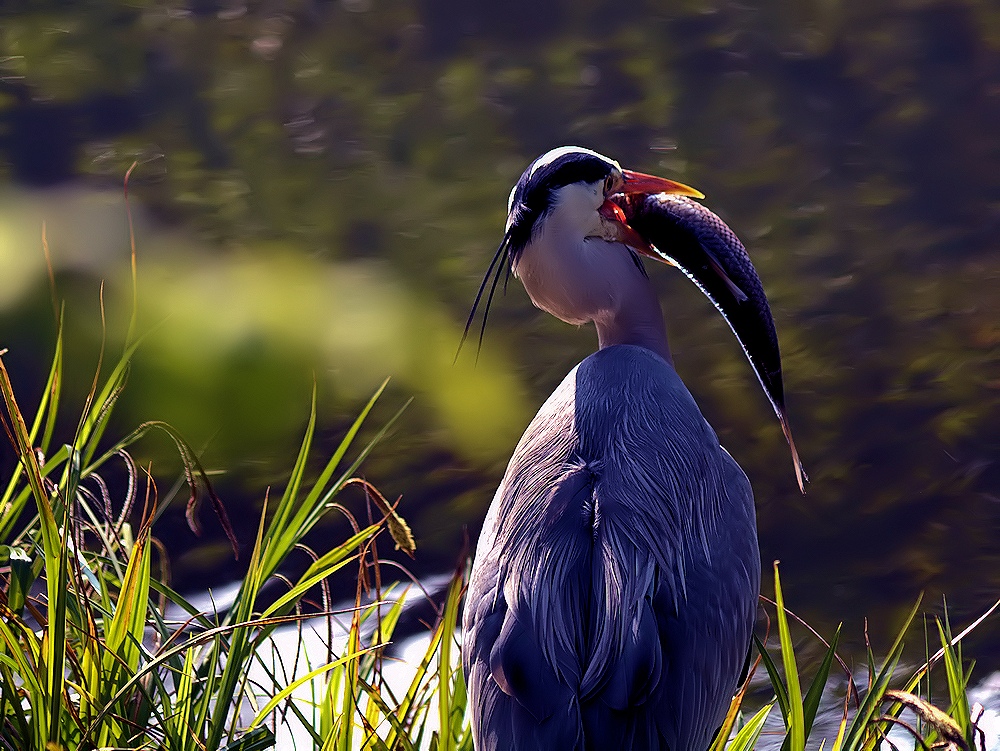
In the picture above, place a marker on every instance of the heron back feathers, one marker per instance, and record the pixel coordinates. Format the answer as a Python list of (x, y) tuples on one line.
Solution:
[(616, 516)]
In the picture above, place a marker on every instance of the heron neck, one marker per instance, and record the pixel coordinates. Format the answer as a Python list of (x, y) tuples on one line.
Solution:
[(638, 320)]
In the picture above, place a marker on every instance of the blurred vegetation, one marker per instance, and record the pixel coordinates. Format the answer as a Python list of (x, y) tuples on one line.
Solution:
[(324, 182)]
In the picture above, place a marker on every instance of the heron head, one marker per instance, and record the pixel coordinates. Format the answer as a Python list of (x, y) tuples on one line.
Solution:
[(584, 190), (581, 184), (569, 240)]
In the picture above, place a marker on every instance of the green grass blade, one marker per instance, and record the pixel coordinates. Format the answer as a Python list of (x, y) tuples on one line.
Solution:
[(384, 628), (403, 741), (777, 683), (349, 697), (47, 411), (747, 736), (449, 621), (95, 419), (957, 681), (408, 704), (124, 633), (22, 576), (320, 569), (49, 403), (838, 742), (241, 648), (56, 554), (858, 734), (323, 492), (796, 717), (293, 520), (178, 719), (287, 502), (286, 692), (29, 461), (815, 693), (258, 739), (17, 724)]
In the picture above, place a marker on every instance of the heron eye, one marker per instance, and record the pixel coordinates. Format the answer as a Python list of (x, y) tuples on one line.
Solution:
[(609, 183)]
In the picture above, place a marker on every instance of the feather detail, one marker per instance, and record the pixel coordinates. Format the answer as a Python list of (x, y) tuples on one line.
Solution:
[(608, 542)]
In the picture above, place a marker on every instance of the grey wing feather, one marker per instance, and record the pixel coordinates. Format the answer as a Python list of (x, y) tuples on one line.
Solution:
[(595, 611)]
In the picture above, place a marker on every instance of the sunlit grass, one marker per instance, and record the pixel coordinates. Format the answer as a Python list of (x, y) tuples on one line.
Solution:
[(873, 711), (90, 658), (92, 654)]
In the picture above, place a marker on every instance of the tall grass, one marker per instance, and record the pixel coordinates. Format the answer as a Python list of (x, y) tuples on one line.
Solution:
[(91, 657), (94, 656), (92, 651), (870, 713)]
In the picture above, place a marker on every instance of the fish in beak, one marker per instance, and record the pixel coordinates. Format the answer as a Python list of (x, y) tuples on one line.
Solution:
[(657, 218), (630, 185)]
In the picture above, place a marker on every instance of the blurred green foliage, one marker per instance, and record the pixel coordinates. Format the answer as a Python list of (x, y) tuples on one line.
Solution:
[(325, 182)]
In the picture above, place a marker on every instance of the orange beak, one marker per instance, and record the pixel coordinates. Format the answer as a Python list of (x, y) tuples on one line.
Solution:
[(638, 183)]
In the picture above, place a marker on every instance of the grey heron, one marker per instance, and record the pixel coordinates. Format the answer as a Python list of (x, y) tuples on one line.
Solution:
[(615, 582)]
